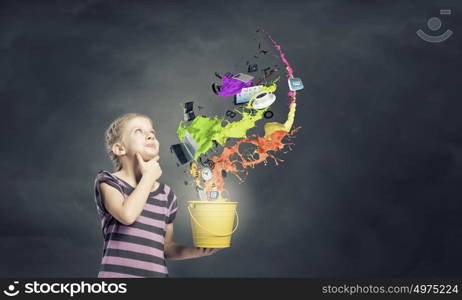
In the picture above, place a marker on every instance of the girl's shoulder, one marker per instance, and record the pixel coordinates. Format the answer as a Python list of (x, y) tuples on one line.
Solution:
[(109, 178), (102, 174)]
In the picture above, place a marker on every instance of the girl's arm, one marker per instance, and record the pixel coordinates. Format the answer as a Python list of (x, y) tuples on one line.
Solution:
[(126, 211), (174, 251)]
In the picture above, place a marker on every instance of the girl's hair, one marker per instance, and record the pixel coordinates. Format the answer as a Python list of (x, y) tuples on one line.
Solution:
[(114, 135)]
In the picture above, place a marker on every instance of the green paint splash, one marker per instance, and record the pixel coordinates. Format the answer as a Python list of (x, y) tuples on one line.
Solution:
[(202, 130), (205, 130)]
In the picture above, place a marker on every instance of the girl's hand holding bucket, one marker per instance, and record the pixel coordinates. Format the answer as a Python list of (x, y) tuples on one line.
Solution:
[(207, 251)]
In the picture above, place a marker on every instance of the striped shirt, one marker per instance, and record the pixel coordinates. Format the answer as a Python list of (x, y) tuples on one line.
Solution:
[(135, 250)]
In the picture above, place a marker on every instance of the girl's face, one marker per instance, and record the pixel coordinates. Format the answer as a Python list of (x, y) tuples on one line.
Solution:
[(139, 136)]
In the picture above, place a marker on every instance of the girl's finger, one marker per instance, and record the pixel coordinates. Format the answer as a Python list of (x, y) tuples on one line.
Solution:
[(138, 157)]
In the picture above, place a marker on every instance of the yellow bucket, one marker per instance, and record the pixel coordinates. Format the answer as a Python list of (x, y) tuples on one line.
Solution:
[(212, 223)]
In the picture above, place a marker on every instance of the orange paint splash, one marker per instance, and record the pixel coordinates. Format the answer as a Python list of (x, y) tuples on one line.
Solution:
[(231, 157)]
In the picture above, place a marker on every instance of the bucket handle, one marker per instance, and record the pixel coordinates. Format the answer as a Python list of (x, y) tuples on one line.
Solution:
[(226, 234)]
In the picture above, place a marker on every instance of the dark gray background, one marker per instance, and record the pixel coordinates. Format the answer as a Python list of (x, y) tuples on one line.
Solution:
[(372, 187)]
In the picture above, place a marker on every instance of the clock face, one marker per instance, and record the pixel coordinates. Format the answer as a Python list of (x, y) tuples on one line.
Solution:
[(206, 174)]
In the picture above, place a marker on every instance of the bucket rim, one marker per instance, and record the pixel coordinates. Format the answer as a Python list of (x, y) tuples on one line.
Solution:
[(214, 202)]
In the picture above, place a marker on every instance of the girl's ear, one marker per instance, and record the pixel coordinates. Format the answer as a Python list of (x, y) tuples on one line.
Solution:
[(118, 149)]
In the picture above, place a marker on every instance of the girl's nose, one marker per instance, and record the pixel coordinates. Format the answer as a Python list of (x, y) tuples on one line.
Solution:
[(150, 136)]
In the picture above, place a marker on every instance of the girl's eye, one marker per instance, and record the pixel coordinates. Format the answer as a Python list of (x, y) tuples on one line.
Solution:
[(137, 130)]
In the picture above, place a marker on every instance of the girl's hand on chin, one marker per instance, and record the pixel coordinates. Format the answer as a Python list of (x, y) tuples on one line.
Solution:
[(150, 168)]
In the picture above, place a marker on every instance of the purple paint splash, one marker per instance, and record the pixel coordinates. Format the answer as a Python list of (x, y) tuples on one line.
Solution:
[(231, 86), (290, 71)]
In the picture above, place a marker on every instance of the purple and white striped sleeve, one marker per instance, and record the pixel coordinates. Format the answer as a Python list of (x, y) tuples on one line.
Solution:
[(172, 207)]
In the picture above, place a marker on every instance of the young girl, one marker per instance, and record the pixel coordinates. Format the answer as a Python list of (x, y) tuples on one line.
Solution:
[(136, 210)]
